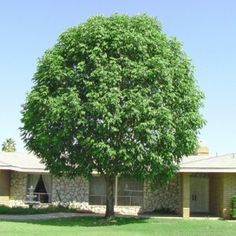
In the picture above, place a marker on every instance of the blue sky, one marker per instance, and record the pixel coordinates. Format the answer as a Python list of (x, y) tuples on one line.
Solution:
[(206, 29)]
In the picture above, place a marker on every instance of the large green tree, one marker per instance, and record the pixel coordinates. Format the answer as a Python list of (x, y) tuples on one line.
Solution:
[(117, 96), (9, 145)]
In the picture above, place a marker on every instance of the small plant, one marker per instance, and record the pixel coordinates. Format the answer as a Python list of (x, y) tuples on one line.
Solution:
[(164, 211), (233, 207)]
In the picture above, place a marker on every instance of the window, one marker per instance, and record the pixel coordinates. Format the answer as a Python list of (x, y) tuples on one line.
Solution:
[(129, 192), (42, 185), (97, 191)]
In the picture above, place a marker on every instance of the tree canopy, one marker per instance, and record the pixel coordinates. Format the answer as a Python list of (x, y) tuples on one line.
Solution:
[(114, 95), (9, 145)]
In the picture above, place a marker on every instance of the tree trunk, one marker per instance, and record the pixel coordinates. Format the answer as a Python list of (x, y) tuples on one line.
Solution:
[(109, 196)]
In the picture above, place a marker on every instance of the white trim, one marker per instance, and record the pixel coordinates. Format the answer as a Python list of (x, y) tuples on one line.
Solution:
[(205, 169)]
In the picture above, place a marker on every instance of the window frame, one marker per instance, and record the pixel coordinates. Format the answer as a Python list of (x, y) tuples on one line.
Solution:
[(37, 193), (117, 196)]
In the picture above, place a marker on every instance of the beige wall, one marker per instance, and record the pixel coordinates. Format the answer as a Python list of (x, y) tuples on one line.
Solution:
[(4, 186), (216, 188), (222, 188), (229, 191)]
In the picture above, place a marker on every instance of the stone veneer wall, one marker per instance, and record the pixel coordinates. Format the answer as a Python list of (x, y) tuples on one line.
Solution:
[(18, 187), (72, 192), (166, 198), (75, 194)]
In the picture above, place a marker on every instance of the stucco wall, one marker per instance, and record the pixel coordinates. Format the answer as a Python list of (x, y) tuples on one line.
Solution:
[(222, 188), (4, 186), (216, 193)]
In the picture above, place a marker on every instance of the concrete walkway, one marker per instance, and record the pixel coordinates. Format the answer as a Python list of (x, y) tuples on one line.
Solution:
[(59, 215), (43, 216)]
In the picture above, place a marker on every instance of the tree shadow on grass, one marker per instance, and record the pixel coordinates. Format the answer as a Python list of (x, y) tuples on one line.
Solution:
[(87, 221)]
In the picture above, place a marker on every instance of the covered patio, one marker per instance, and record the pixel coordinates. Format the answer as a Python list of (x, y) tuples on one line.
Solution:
[(208, 184), (17, 164)]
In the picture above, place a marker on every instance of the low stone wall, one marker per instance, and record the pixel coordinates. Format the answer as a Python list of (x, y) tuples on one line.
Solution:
[(123, 210)]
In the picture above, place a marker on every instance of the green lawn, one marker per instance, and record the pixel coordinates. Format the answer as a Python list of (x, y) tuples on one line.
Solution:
[(119, 226)]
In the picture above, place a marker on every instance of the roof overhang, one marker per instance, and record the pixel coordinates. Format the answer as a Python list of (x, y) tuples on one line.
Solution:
[(26, 170), (23, 162)]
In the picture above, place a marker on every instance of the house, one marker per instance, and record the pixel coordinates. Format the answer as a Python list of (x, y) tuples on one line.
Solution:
[(203, 185)]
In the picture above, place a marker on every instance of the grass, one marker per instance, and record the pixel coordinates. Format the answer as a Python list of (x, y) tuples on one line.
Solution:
[(119, 226), (23, 211)]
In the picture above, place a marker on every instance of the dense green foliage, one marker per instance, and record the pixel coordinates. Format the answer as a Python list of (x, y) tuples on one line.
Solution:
[(29, 211), (89, 226), (233, 207), (114, 95), (9, 145)]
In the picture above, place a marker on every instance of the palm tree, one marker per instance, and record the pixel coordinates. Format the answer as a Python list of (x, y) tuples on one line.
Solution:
[(9, 145)]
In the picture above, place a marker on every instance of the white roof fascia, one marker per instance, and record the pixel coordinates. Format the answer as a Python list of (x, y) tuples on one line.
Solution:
[(208, 170)]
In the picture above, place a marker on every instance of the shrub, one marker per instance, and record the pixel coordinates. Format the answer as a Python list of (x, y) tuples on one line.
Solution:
[(30, 211), (233, 207), (162, 211)]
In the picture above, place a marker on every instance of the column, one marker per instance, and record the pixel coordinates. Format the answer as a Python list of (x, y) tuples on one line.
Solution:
[(185, 195), (116, 190)]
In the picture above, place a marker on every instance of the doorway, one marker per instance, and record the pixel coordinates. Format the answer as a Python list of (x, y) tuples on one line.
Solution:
[(199, 194)]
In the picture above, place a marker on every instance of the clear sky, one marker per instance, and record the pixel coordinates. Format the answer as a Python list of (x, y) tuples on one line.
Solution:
[(206, 28)]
